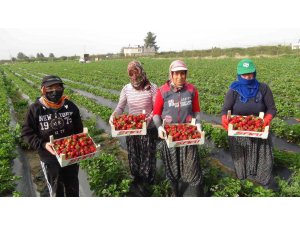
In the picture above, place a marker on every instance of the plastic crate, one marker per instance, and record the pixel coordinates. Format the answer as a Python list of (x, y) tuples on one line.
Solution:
[(246, 133), (198, 141), (131, 132), (66, 162)]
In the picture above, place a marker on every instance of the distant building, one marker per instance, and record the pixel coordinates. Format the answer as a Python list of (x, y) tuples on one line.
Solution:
[(296, 45), (84, 58), (138, 51)]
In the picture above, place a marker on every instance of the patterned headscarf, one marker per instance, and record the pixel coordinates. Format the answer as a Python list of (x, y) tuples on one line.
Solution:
[(142, 82)]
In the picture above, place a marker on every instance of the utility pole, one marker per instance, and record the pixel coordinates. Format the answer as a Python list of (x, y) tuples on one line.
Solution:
[(10, 56)]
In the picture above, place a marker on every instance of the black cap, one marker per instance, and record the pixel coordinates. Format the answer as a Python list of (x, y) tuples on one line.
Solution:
[(49, 80)]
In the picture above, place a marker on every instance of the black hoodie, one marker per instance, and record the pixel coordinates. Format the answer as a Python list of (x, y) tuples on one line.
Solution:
[(41, 122)]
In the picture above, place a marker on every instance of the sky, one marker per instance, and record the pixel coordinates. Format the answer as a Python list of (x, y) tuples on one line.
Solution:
[(100, 27)]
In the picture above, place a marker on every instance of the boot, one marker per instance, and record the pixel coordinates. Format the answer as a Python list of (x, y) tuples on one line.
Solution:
[(134, 188), (192, 191)]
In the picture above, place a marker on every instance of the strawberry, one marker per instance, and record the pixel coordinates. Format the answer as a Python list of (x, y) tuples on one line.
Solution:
[(247, 123), (182, 131), (129, 122), (74, 146)]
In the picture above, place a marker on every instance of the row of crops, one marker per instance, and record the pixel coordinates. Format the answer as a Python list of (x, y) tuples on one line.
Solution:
[(212, 77), (7, 144), (24, 75)]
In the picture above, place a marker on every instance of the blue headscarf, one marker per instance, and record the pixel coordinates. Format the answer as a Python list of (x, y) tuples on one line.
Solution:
[(246, 88)]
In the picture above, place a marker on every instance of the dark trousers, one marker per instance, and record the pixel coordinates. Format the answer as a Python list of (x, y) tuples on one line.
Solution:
[(61, 181), (142, 156), (182, 166)]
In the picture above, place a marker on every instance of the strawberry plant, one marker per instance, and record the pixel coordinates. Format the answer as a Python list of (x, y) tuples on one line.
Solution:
[(107, 176), (7, 145), (106, 77), (230, 187), (291, 187)]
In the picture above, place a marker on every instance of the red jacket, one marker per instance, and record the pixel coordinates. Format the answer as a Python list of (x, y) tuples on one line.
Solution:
[(179, 105)]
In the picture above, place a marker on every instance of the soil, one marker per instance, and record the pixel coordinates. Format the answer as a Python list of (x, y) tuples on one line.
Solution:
[(37, 173)]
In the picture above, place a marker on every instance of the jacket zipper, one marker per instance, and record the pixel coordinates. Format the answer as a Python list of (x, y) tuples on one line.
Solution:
[(179, 98)]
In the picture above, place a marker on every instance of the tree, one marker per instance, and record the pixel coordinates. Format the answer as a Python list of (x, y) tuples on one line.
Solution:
[(51, 55), (40, 55), (21, 56), (63, 57), (122, 51), (150, 41)]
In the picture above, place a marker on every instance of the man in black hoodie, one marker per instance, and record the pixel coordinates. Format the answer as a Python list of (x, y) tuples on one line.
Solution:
[(53, 114)]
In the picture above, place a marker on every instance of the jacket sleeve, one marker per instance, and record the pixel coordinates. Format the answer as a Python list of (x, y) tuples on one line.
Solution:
[(158, 108), (159, 104), (30, 131), (122, 102), (228, 102), (77, 122), (153, 94), (269, 102), (196, 106)]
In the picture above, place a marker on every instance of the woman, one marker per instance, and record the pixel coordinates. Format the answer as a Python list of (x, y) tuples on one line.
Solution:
[(252, 157), (53, 114), (177, 102), (139, 95)]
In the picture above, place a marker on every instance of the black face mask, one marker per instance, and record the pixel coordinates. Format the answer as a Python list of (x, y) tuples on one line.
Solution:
[(54, 96)]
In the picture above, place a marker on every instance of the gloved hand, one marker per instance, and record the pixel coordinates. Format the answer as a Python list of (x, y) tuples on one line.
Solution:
[(267, 119), (148, 120), (49, 147), (111, 118), (198, 125), (162, 132), (225, 122)]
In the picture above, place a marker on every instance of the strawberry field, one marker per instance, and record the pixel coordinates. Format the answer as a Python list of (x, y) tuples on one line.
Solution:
[(95, 87)]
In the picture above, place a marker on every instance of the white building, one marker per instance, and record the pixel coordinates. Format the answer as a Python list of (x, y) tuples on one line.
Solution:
[(296, 45), (138, 51)]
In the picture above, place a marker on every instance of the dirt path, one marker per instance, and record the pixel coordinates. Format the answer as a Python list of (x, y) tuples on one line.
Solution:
[(85, 84), (25, 184)]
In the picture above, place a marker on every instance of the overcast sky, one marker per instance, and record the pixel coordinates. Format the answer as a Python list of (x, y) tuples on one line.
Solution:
[(77, 27)]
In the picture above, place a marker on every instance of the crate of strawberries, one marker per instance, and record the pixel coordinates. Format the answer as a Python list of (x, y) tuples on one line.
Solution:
[(183, 134), (127, 125), (247, 126), (74, 148)]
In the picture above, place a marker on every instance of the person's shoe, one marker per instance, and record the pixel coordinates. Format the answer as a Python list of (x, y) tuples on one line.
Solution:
[(134, 191), (175, 190)]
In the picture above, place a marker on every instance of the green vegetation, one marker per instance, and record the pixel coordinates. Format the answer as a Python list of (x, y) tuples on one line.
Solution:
[(212, 78), (7, 145)]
